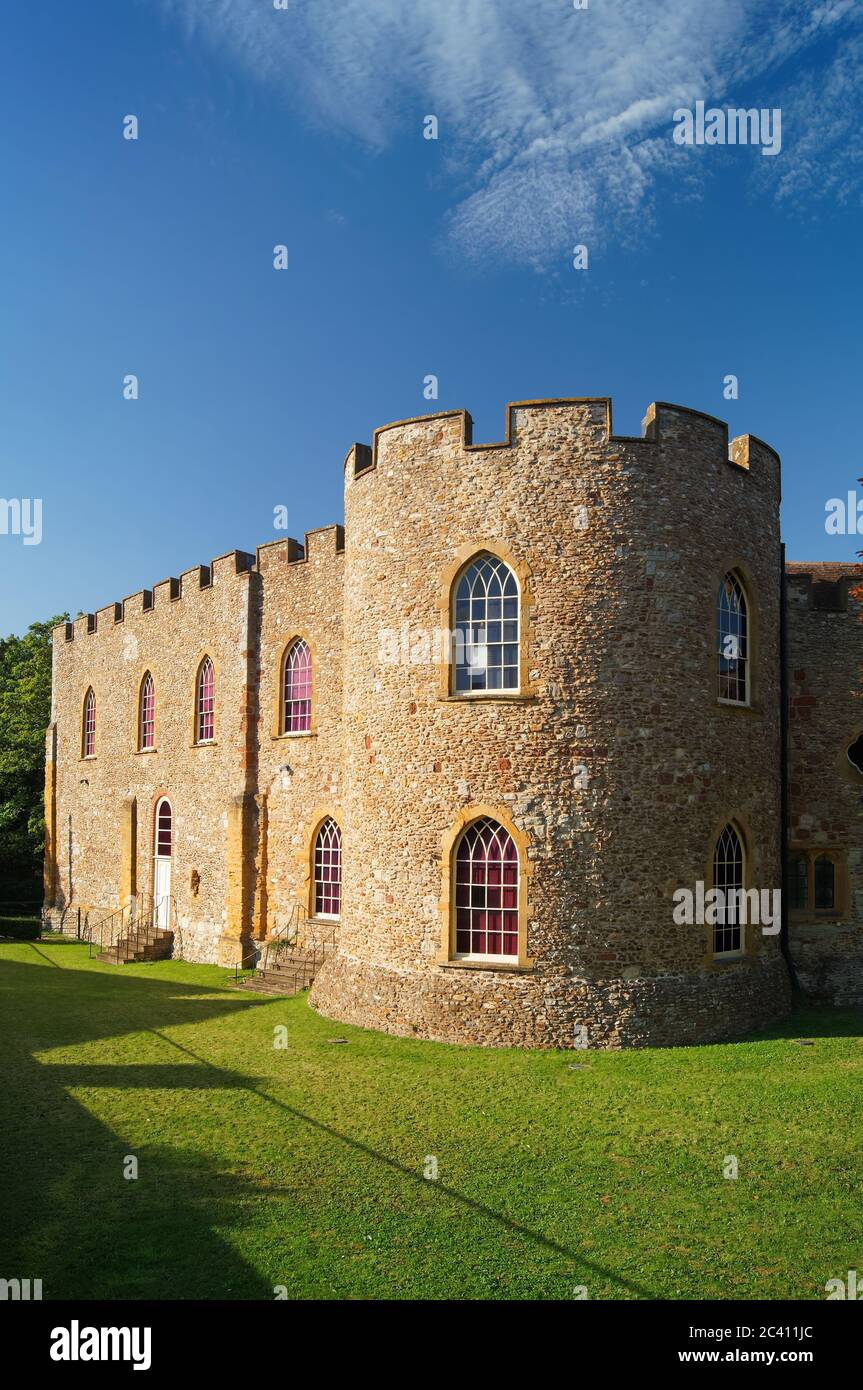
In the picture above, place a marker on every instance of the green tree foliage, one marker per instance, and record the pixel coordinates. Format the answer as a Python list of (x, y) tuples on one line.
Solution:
[(25, 711)]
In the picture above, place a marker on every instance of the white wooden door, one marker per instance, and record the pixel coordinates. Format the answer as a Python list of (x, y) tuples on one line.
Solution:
[(162, 893), (163, 839)]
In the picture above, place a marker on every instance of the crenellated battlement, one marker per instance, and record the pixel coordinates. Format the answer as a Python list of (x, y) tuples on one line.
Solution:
[(824, 586), (663, 424), (678, 430), (322, 541), (680, 424), (162, 594)]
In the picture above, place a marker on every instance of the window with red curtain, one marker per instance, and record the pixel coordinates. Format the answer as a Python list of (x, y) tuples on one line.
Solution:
[(328, 870), (297, 718), (206, 701), (163, 829), (89, 739), (486, 891), (148, 713)]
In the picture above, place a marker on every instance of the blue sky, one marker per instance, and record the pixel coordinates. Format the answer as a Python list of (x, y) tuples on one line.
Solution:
[(406, 256)]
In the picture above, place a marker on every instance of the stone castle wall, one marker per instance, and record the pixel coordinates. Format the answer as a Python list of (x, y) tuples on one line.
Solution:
[(102, 808), (614, 768), (300, 774), (825, 716), (620, 680)]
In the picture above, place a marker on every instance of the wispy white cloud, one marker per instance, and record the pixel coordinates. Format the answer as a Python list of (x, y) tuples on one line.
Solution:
[(561, 117), (824, 110)]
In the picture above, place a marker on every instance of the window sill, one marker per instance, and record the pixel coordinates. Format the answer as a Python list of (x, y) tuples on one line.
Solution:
[(747, 707), (295, 733), (87, 758), (142, 752), (501, 966), (740, 958), (466, 697), (205, 743)]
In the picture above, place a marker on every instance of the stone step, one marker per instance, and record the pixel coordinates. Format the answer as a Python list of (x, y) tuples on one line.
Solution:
[(285, 959), (279, 987), (284, 979), (290, 967), (125, 953)]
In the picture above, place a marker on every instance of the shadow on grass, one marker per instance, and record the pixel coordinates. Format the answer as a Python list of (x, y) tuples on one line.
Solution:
[(811, 1021), (70, 1215), (575, 1258), (152, 1238)]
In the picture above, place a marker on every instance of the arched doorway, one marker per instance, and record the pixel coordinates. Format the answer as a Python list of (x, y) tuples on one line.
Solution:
[(163, 832)]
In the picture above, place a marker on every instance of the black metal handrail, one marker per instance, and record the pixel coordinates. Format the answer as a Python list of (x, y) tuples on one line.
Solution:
[(94, 932), (283, 940), (126, 929), (241, 964), (297, 952), (143, 928), (286, 938)]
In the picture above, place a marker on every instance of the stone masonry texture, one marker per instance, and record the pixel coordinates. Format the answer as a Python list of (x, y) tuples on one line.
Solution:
[(614, 766), (825, 611)]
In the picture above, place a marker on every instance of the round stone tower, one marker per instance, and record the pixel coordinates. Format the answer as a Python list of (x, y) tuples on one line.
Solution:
[(612, 762)]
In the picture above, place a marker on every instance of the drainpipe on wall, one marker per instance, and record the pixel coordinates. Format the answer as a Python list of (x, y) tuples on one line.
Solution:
[(784, 940)]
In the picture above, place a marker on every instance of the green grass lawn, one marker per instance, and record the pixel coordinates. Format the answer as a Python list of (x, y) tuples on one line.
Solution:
[(304, 1167)]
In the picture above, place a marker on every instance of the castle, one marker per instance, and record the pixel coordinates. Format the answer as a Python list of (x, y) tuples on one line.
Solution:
[(634, 696)]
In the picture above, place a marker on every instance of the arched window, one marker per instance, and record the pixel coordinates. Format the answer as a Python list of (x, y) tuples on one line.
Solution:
[(205, 702), (88, 737), (486, 892), (732, 638), (164, 829), (855, 753), (728, 875), (486, 625), (328, 870), (297, 689), (147, 714)]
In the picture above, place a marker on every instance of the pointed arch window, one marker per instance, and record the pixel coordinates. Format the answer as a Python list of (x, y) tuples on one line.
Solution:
[(164, 829), (328, 870), (88, 735), (854, 753), (205, 702), (147, 714), (732, 638), (297, 689), (486, 892), (728, 868), (486, 626)]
